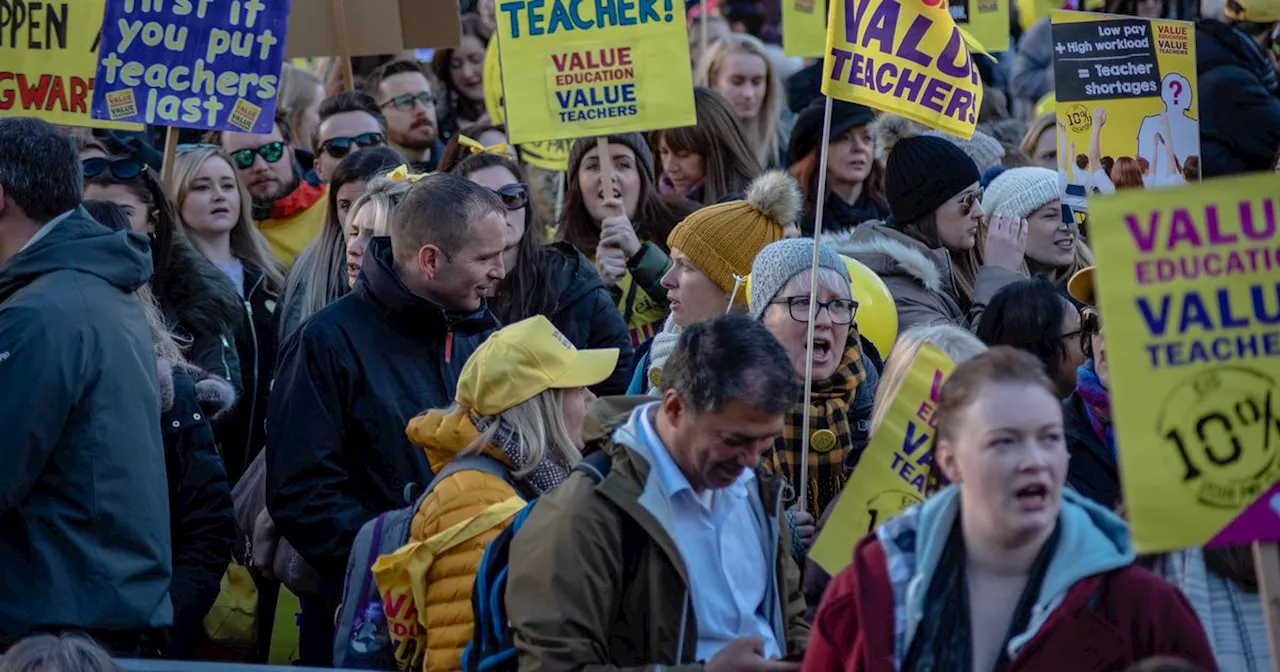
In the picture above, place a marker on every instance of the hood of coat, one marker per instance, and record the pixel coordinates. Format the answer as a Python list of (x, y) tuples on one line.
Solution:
[(888, 252), (215, 395), (1219, 44), (1092, 540), (197, 296), (78, 243), (571, 274), (443, 435)]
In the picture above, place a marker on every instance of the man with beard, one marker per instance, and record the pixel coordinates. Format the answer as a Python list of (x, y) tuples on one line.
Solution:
[(288, 209), (404, 95)]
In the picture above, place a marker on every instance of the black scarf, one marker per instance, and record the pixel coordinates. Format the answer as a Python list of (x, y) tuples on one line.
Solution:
[(943, 640)]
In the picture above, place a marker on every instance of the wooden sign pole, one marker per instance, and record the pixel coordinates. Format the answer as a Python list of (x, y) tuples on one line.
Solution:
[(170, 151), (338, 16)]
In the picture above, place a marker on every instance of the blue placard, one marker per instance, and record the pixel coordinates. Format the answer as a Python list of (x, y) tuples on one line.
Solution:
[(210, 64)]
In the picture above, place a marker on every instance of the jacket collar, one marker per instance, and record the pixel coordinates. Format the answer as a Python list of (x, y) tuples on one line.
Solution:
[(415, 314)]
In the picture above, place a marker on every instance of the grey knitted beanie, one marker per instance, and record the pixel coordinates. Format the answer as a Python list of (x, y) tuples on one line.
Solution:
[(779, 262)]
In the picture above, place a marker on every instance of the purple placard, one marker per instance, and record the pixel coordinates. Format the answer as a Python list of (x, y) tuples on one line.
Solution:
[(209, 64), (1260, 521)]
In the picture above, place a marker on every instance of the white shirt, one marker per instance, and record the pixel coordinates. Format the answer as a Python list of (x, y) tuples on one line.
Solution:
[(44, 230), (720, 541)]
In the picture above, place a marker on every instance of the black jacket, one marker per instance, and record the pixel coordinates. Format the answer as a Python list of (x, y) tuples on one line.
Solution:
[(202, 306), (1092, 470), (839, 216), (255, 342), (585, 311), (1239, 107), (201, 521), (84, 516), (348, 382)]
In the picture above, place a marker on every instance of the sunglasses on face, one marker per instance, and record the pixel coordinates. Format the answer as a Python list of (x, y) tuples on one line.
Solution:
[(405, 102), (122, 168), (840, 311), (339, 148), (514, 196), (969, 200), (270, 152)]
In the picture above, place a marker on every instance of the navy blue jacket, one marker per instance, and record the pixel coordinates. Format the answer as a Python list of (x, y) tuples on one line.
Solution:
[(347, 384)]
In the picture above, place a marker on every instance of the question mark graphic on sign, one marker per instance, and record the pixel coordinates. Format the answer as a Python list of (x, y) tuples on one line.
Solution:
[(1177, 90)]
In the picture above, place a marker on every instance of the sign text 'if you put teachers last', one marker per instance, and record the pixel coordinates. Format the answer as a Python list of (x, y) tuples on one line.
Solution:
[(211, 64)]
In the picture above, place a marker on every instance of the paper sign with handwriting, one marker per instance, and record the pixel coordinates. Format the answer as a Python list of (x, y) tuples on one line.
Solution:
[(208, 64)]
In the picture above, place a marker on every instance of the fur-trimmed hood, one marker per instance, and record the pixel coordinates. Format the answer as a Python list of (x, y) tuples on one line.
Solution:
[(889, 252), (215, 395), (196, 296)]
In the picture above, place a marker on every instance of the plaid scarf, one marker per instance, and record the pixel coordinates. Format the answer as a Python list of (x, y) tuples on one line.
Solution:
[(544, 476), (829, 413)]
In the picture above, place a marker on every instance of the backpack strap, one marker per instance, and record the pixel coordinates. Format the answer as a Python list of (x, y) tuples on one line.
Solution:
[(596, 464)]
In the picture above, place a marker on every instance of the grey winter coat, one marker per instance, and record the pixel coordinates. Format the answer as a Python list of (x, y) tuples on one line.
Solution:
[(84, 511), (920, 278)]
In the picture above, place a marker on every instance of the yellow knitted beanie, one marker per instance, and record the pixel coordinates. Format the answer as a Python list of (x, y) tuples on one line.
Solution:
[(723, 239)]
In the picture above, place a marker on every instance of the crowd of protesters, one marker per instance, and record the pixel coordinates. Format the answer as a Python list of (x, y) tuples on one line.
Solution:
[(214, 385)]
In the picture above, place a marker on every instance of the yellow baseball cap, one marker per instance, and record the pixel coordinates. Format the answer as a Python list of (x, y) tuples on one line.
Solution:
[(1254, 11), (525, 359), (1080, 286)]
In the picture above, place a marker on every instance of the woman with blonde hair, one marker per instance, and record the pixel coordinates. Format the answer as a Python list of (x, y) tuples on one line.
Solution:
[(707, 162), (738, 68), (513, 433), (1040, 144), (370, 218), (214, 211), (299, 101), (1054, 247), (957, 344)]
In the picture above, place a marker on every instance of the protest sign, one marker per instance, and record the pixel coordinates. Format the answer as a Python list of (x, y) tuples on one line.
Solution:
[(987, 21), (372, 27), (210, 64), (1189, 290), (48, 53), (1126, 104), (545, 154), (573, 69), (906, 58), (804, 28), (894, 470)]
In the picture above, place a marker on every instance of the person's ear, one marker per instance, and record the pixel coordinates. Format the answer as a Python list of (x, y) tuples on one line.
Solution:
[(944, 456), (429, 257), (672, 406)]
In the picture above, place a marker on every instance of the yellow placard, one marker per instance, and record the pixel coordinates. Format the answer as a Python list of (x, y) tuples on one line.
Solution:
[(548, 155), (1190, 298), (987, 21), (908, 58), (48, 56), (894, 470), (1125, 92), (804, 28), (576, 69)]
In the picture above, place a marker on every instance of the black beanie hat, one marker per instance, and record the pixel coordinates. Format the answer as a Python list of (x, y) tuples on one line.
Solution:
[(807, 132), (921, 173)]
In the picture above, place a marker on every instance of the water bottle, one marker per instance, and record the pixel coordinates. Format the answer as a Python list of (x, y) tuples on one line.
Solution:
[(371, 636)]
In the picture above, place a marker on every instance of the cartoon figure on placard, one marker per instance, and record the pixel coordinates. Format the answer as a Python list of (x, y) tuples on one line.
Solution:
[(1175, 93)]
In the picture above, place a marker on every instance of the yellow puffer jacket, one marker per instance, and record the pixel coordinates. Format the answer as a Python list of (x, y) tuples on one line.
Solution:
[(463, 496)]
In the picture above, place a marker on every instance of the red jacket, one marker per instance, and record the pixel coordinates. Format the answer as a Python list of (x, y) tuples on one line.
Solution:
[(1106, 622)]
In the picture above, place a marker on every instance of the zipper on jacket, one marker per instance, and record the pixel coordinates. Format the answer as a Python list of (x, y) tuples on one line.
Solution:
[(684, 624), (448, 345), (253, 395)]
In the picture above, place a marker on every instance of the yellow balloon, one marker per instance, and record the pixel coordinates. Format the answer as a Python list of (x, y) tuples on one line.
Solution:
[(877, 313)]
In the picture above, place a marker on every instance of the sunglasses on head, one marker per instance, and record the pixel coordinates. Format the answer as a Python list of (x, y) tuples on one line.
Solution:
[(514, 196), (121, 168), (270, 152), (339, 148), (404, 102)]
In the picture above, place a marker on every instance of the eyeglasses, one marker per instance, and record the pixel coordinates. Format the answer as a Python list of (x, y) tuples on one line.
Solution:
[(969, 200), (404, 102), (121, 168), (270, 152), (514, 196), (841, 311), (339, 148)]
